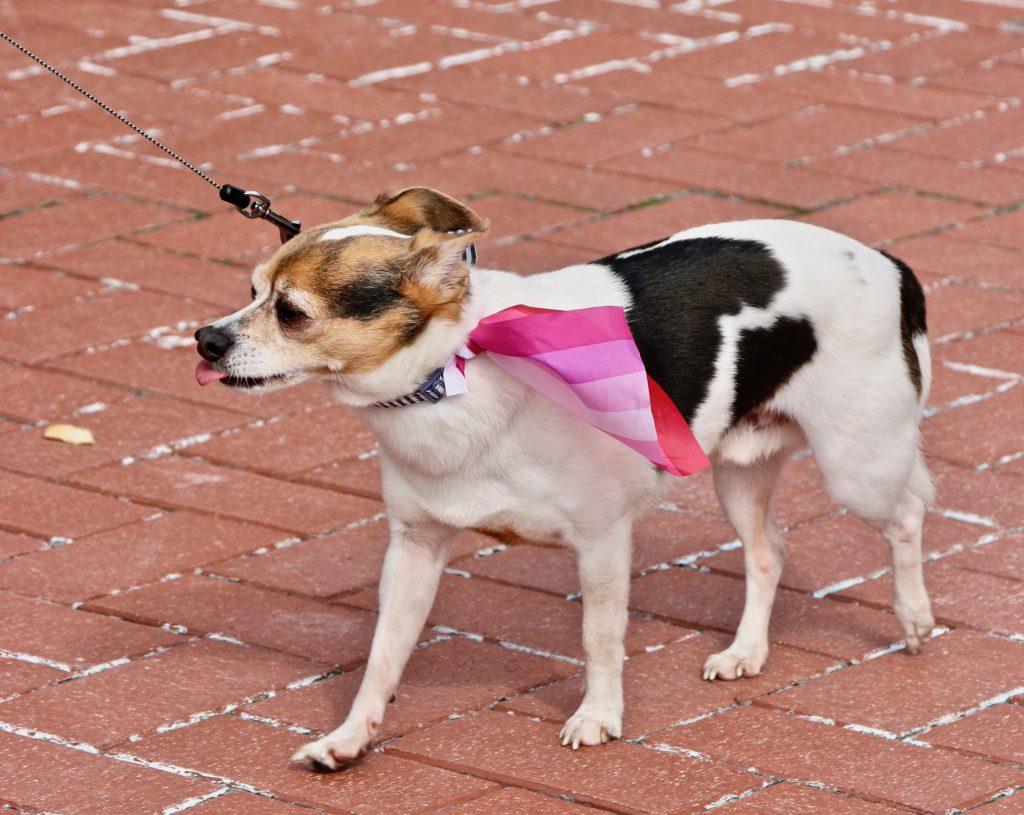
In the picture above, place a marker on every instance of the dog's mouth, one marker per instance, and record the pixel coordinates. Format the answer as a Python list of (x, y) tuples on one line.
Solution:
[(206, 373)]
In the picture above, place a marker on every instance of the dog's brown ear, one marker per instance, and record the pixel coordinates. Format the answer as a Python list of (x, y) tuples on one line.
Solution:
[(436, 277), (416, 208)]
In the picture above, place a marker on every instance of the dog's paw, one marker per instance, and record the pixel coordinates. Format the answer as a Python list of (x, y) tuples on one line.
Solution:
[(917, 628), (330, 753), (590, 727), (729, 664)]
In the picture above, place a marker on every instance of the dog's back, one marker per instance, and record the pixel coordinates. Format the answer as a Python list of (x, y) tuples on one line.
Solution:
[(738, 320)]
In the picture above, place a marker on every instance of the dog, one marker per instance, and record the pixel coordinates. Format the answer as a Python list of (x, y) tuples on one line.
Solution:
[(769, 336)]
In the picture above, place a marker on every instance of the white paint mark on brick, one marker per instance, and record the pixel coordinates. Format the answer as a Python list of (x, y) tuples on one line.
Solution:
[(190, 803)]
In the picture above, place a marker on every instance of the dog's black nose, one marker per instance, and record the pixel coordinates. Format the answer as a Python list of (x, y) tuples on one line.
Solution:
[(214, 343)]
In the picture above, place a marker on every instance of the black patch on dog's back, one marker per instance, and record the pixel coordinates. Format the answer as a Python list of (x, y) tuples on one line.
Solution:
[(913, 319), (767, 357), (681, 289)]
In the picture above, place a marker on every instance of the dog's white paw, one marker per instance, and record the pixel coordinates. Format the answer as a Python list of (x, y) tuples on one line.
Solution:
[(588, 727), (330, 753), (729, 664), (917, 627)]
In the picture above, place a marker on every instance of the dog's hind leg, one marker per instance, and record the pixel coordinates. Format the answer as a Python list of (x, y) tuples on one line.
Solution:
[(910, 598), (882, 478), (412, 568), (745, 492), (604, 578)]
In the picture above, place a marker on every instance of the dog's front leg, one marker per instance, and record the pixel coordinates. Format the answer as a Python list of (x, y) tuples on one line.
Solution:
[(415, 558), (604, 578)]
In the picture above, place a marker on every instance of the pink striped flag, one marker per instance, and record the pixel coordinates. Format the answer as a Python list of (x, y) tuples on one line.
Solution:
[(587, 361)]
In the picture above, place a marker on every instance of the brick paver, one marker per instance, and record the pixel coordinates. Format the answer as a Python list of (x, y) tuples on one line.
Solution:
[(183, 602)]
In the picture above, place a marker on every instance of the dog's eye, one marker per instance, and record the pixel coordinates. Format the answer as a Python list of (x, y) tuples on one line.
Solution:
[(288, 315), (252, 291)]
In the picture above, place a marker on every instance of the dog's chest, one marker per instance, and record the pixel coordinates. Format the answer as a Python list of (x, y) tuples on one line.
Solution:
[(510, 462)]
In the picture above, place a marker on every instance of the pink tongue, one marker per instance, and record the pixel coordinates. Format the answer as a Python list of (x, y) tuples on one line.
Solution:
[(205, 373)]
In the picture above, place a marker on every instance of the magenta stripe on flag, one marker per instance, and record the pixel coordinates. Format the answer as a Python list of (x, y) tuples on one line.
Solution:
[(544, 331)]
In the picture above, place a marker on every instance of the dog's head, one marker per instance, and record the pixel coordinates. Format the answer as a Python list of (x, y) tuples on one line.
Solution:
[(344, 298)]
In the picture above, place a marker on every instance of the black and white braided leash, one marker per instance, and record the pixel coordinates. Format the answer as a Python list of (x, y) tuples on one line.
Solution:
[(250, 203)]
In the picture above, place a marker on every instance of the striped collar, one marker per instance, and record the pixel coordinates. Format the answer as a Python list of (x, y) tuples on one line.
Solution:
[(432, 390)]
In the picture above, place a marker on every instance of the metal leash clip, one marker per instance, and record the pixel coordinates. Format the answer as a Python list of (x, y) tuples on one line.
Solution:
[(253, 204)]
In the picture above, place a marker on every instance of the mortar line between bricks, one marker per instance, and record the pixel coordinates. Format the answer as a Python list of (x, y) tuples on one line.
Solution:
[(188, 772), (192, 719), (202, 633), (458, 801), (682, 193), (688, 192), (971, 399), (231, 708), (50, 544), (742, 767), (152, 502), (358, 127), (146, 337), (772, 779), (893, 138), (86, 244), (196, 453), (549, 40), (929, 557), (85, 673), (41, 263), (44, 367), (204, 569), (191, 803), (381, 746), (909, 737), (999, 796), (946, 339), (71, 483), (252, 471), (796, 211), (878, 733), (498, 778)]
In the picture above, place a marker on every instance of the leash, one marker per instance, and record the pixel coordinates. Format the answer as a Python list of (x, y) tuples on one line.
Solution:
[(250, 203)]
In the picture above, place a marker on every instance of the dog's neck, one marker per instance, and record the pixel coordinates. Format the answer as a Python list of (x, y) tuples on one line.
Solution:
[(489, 291)]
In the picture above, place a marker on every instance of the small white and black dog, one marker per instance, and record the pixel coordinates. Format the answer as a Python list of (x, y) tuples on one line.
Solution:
[(768, 335)]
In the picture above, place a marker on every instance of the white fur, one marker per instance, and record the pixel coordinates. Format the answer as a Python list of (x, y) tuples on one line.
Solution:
[(341, 232), (504, 457)]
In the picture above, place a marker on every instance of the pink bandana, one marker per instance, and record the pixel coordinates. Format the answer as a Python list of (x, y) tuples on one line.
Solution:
[(586, 361)]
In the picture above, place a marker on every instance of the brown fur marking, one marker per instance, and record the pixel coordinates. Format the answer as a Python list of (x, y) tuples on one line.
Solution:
[(369, 295)]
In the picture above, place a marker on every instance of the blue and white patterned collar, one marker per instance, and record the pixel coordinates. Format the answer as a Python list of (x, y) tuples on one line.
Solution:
[(433, 390)]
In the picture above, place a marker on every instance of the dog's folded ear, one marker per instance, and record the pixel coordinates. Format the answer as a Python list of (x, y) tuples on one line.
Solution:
[(435, 275), (416, 208)]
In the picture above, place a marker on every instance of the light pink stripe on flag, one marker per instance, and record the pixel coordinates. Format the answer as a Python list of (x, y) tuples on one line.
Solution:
[(625, 392), (637, 424), (596, 361)]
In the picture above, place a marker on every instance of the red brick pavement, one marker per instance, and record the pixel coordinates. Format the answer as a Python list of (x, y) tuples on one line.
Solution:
[(172, 597)]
